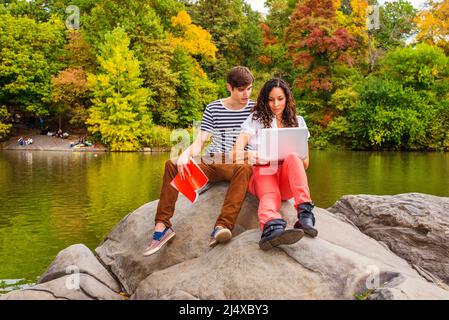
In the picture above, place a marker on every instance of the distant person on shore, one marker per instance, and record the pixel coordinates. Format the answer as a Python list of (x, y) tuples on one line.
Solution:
[(222, 121), (59, 134), (29, 141), (41, 123), (45, 131), (21, 141), (275, 108)]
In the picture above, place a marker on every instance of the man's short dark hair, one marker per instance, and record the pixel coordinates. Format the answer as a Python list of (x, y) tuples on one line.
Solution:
[(239, 77)]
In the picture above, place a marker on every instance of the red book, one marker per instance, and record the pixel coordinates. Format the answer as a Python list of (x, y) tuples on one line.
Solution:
[(192, 184)]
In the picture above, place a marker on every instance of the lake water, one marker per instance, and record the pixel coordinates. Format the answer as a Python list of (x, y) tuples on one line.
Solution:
[(51, 200)]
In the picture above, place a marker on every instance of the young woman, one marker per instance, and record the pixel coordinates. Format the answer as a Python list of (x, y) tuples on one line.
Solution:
[(275, 108)]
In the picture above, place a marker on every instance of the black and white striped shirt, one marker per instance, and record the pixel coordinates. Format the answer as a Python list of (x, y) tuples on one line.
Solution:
[(223, 124)]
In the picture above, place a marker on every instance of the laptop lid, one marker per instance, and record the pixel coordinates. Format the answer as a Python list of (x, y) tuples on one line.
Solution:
[(278, 143)]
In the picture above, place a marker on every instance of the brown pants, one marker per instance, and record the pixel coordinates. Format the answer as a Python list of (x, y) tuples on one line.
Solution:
[(238, 174)]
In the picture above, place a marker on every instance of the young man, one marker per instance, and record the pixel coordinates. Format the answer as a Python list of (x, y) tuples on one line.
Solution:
[(222, 120)]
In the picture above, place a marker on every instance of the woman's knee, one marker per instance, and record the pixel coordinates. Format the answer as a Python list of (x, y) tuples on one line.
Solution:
[(294, 157), (270, 197)]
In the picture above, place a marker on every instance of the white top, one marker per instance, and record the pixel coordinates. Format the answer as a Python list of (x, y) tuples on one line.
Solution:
[(252, 128)]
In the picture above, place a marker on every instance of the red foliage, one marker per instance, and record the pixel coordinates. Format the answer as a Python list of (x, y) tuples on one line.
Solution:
[(268, 38), (316, 42)]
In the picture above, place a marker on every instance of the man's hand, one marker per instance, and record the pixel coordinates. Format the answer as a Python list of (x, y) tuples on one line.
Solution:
[(182, 165)]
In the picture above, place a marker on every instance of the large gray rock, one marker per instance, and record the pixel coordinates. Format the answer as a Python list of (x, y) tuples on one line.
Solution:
[(414, 226), (78, 258), (71, 287), (122, 249), (340, 263), (75, 274)]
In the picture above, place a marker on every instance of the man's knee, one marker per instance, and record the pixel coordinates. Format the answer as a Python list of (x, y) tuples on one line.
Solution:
[(243, 169), (171, 166)]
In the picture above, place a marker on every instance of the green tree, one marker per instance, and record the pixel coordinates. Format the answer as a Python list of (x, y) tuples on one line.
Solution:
[(405, 105), (136, 17), (119, 115), (233, 26), (43, 10), (4, 127), (31, 53), (156, 58), (396, 24), (193, 92), (274, 57)]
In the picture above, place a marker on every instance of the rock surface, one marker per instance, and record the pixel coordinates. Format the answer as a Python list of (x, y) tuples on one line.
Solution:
[(122, 250), (79, 259), (340, 263), (69, 287), (74, 274), (414, 226)]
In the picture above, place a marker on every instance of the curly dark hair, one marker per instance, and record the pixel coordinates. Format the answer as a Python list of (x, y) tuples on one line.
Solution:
[(262, 109)]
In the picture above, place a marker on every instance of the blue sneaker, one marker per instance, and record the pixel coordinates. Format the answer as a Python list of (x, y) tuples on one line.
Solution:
[(219, 235), (159, 239)]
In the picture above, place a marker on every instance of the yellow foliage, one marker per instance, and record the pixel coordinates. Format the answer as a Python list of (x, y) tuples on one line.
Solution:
[(193, 38), (433, 24), (182, 20), (355, 24)]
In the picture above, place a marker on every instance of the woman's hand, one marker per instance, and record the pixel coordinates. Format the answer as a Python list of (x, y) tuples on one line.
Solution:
[(254, 159)]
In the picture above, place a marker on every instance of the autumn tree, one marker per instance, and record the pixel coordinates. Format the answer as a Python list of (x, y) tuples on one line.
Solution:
[(194, 90), (273, 57), (316, 43), (194, 39), (433, 24), (235, 32), (351, 15), (69, 95), (119, 115), (79, 52)]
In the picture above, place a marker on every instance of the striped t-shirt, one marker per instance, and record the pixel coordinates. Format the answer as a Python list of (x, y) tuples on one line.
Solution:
[(223, 124)]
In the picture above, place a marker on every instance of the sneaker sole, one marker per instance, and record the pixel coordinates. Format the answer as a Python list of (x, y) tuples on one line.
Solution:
[(287, 237), (154, 250), (223, 235), (311, 232)]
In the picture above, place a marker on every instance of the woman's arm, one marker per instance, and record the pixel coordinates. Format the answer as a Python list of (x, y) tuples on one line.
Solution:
[(306, 160)]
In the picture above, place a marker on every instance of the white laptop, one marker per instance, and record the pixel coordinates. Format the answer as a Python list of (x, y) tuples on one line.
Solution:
[(278, 143)]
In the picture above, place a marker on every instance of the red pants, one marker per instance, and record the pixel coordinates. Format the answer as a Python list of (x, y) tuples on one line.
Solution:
[(272, 184)]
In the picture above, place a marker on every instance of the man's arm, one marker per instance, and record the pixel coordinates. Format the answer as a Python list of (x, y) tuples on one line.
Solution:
[(192, 151)]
